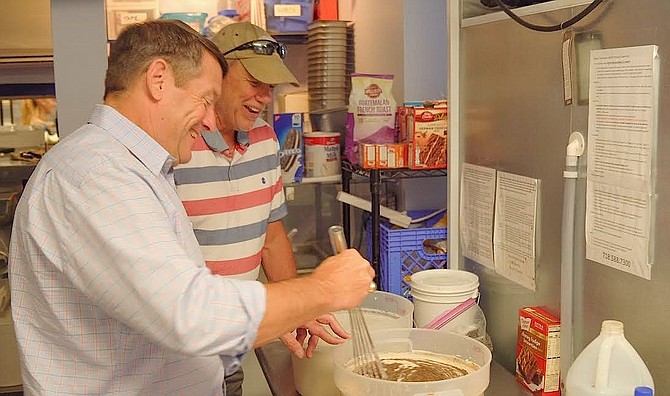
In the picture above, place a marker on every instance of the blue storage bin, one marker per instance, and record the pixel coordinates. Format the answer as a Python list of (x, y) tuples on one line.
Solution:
[(288, 15), (402, 253)]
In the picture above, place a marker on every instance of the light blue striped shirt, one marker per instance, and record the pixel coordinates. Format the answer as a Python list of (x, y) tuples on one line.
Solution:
[(110, 294)]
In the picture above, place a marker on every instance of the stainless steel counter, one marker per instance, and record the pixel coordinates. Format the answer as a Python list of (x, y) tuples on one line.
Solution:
[(275, 361), (11, 390), (15, 170)]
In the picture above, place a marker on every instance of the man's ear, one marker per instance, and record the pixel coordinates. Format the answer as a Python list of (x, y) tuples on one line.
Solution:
[(157, 77)]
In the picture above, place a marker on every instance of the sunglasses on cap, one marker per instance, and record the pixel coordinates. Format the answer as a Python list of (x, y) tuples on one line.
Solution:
[(261, 47)]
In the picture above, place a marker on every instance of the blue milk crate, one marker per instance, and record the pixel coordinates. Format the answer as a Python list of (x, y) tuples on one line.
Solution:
[(402, 253)]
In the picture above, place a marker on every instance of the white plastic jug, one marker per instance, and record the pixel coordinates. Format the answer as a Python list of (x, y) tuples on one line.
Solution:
[(608, 366)]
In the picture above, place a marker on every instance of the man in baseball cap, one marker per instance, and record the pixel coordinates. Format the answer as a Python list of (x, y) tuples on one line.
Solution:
[(255, 48), (233, 181)]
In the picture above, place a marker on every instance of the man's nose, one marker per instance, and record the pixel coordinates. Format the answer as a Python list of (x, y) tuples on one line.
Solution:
[(264, 94), (209, 119)]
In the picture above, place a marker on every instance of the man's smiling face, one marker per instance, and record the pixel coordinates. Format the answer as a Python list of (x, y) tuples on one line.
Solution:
[(243, 99)]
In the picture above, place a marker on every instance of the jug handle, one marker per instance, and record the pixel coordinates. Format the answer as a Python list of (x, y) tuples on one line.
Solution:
[(603, 364)]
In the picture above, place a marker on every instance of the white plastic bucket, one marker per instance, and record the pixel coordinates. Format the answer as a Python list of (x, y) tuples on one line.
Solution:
[(322, 154), (437, 290)]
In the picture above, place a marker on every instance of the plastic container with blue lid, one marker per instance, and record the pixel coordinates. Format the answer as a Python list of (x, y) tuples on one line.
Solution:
[(194, 19), (286, 16), (219, 21)]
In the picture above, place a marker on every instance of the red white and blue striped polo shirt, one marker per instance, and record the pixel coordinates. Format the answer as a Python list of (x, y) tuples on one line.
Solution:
[(231, 199)]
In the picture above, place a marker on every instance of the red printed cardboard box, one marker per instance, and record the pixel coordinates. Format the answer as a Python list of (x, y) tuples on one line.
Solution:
[(426, 131), (538, 351), (382, 156)]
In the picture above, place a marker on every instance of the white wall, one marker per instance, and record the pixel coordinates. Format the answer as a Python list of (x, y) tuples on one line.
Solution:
[(378, 38), (80, 59), (406, 38), (425, 49)]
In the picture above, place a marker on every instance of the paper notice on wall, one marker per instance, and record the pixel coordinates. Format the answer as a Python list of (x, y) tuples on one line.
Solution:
[(478, 186), (617, 228), (515, 228), (623, 116), (623, 124)]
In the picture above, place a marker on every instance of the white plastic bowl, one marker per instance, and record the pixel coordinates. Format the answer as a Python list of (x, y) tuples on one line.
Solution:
[(407, 340)]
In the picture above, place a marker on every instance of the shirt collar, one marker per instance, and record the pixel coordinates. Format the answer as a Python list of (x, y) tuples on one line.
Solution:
[(137, 141), (215, 140)]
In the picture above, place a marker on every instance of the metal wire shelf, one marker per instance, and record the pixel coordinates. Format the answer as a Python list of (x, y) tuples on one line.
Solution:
[(400, 173)]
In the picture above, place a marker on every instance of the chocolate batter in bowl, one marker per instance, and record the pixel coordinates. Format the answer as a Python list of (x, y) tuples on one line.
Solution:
[(421, 366), (418, 361)]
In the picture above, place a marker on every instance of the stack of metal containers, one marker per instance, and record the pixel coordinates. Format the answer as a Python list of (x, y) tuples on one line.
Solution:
[(330, 53)]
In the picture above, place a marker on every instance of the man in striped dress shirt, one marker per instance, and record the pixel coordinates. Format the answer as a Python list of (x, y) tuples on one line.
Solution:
[(109, 290), (232, 187)]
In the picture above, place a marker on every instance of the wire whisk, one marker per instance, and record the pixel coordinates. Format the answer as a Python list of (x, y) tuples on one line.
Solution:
[(366, 359)]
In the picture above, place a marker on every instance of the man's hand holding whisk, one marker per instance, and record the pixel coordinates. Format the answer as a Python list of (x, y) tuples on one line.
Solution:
[(340, 282), (344, 277)]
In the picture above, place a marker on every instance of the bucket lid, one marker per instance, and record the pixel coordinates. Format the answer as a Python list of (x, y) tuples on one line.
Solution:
[(444, 281)]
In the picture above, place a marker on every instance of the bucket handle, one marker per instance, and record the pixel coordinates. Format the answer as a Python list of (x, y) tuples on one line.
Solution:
[(449, 315)]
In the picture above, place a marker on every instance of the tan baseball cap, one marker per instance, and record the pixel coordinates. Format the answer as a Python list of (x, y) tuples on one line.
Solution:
[(269, 69)]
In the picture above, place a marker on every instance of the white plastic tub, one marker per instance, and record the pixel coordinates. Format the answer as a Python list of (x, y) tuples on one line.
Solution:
[(408, 340)]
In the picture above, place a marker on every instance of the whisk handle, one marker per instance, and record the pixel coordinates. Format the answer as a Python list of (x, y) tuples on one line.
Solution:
[(337, 240), (339, 244)]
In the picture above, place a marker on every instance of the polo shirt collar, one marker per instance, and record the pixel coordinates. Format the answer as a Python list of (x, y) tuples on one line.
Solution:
[(215, 140)]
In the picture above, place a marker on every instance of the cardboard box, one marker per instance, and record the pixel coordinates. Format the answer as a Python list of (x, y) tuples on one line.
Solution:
[(367, 153), (401, 122), (392, 155), (425, 129), (293, 102), (538, 351), (289, 130), (382, 156)]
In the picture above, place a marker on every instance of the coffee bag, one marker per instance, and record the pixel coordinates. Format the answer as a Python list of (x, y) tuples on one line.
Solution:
[(371, 115)]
